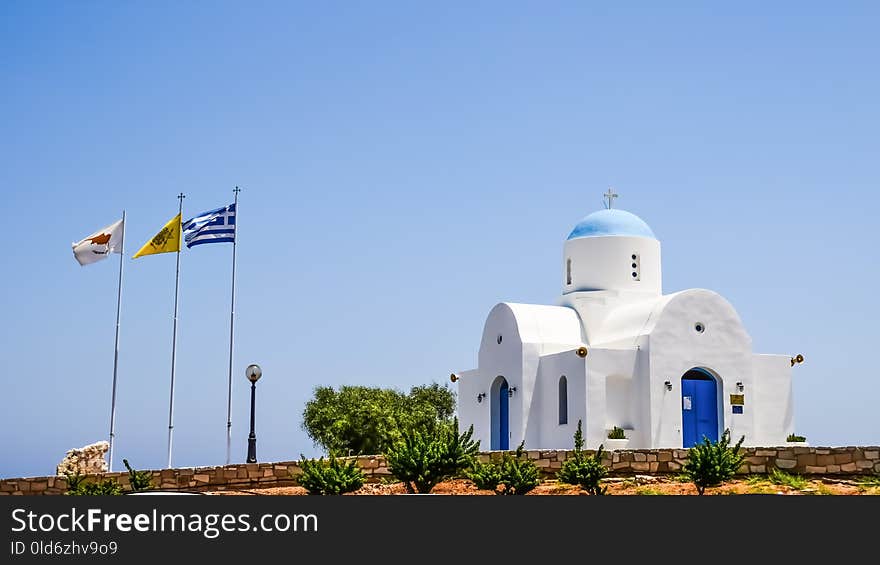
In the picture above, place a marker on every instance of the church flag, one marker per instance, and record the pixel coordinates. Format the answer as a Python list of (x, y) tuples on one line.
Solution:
[(99, 245), (214, 226), (166, 241)]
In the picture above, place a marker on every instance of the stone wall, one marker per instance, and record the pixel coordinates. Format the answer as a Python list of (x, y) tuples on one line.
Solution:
[(831, 461)]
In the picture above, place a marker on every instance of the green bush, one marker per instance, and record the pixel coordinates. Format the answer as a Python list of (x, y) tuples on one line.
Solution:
[(581, 470), (616, 433), (78, 485), (367, 420), (515, 475), (779, 477), (331, 476), (139, 481), (711, 463), (422, 459), (794, 438)]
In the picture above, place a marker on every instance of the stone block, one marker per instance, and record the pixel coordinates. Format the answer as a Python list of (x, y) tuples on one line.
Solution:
[(253, 473), (841, 458), (673, 466), (815, 470), (615, 457), (664, 455), (555, 465), (864, 464), (653, 466), (381, 471), (230, 473), (542, 463), (824, 460), (641, 457), (786, 463), (848, 468), (823, 452), (806, 459), (756, 460), (560, 456), (765, 453), (802, 450), (652, 457), (268, 473), (758, 469), (619, 466), (832, 469), (872, 455), (640, 466), (533, 454), (203, 478)]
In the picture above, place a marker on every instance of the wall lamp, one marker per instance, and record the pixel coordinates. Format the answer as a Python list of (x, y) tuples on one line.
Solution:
[(798, 359), (510, 391), (739, 386), (481, 396), (453, 377), (668, 385)]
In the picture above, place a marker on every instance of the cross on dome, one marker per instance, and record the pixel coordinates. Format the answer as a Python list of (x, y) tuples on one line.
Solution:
[(609, 197)]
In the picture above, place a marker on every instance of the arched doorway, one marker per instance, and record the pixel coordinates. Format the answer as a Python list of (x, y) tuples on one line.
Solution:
[(699, 407), (500, 400)]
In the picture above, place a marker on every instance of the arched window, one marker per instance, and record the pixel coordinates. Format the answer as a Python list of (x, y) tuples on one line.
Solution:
[(563, 400), (568, 271)]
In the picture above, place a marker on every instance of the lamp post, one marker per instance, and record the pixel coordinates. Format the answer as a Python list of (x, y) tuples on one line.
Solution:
[(253, 374)]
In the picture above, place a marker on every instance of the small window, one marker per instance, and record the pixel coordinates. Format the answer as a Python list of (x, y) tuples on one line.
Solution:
[(636, 271), (563, 400), (499, 339), (568, 272), (699, 327)]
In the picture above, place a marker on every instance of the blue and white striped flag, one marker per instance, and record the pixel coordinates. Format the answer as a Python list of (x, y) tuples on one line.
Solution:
[(215, 226)]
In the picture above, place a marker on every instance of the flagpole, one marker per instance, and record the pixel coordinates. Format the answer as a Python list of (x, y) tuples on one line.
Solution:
[(231, 335), (116, 351), (180, 197)]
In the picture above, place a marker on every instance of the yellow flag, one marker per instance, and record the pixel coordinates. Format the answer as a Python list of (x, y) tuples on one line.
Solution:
[(166, 241)]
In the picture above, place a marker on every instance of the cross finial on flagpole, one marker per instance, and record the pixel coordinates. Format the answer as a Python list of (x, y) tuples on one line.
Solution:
[(236, 190), (610, 196)]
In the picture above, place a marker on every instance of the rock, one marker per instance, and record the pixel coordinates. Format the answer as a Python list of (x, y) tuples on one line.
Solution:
[(87, 460)]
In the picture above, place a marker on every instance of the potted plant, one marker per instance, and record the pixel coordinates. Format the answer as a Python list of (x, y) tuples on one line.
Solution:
[(616, 439), (796, 441)]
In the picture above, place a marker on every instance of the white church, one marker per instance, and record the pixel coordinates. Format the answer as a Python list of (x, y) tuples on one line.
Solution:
[(615, 352)]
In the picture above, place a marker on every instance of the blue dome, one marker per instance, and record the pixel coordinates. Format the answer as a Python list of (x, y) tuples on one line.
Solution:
[(611, 222)]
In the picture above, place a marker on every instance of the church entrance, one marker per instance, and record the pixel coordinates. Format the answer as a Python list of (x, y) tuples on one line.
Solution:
[(500, 414), (699, 407)]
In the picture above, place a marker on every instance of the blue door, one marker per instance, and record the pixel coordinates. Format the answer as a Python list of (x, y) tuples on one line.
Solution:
[(503, 415), (699, 407)]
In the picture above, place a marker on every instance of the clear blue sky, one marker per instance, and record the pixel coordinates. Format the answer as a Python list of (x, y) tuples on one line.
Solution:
[(406, 166)]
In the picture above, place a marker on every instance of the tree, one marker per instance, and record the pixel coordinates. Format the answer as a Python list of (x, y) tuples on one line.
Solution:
[(368, 420)]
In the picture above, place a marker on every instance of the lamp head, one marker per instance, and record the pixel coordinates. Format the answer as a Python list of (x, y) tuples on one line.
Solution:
[(253, 373)]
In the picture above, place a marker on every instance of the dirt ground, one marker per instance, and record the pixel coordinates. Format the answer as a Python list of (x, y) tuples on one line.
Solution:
[(638, 485)]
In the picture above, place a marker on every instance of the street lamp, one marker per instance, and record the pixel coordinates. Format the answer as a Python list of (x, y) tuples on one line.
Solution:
[(253, 374)]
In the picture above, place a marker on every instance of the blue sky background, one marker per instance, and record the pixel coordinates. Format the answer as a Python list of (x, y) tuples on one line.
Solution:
[(404, 167)]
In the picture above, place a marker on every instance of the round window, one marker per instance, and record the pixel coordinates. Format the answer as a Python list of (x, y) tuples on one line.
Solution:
[(700, 327)]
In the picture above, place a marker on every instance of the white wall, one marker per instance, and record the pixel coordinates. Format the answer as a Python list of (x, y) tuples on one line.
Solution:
[(724, 349), (772, 400), (545, 432), (605, 263)]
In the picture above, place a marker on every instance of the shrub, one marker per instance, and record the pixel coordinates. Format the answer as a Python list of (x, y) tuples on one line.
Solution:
[(138, 480), (421, 459), (581, 470), (487, 476), (515, 475), (711, 463), (330, 477), (77, 485), (616, 433), (794, 438)]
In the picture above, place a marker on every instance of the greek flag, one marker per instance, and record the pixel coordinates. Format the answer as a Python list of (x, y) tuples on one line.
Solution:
[(215, 226)]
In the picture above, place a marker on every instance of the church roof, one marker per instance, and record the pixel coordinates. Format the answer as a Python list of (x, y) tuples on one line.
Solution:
[(611, 222)]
